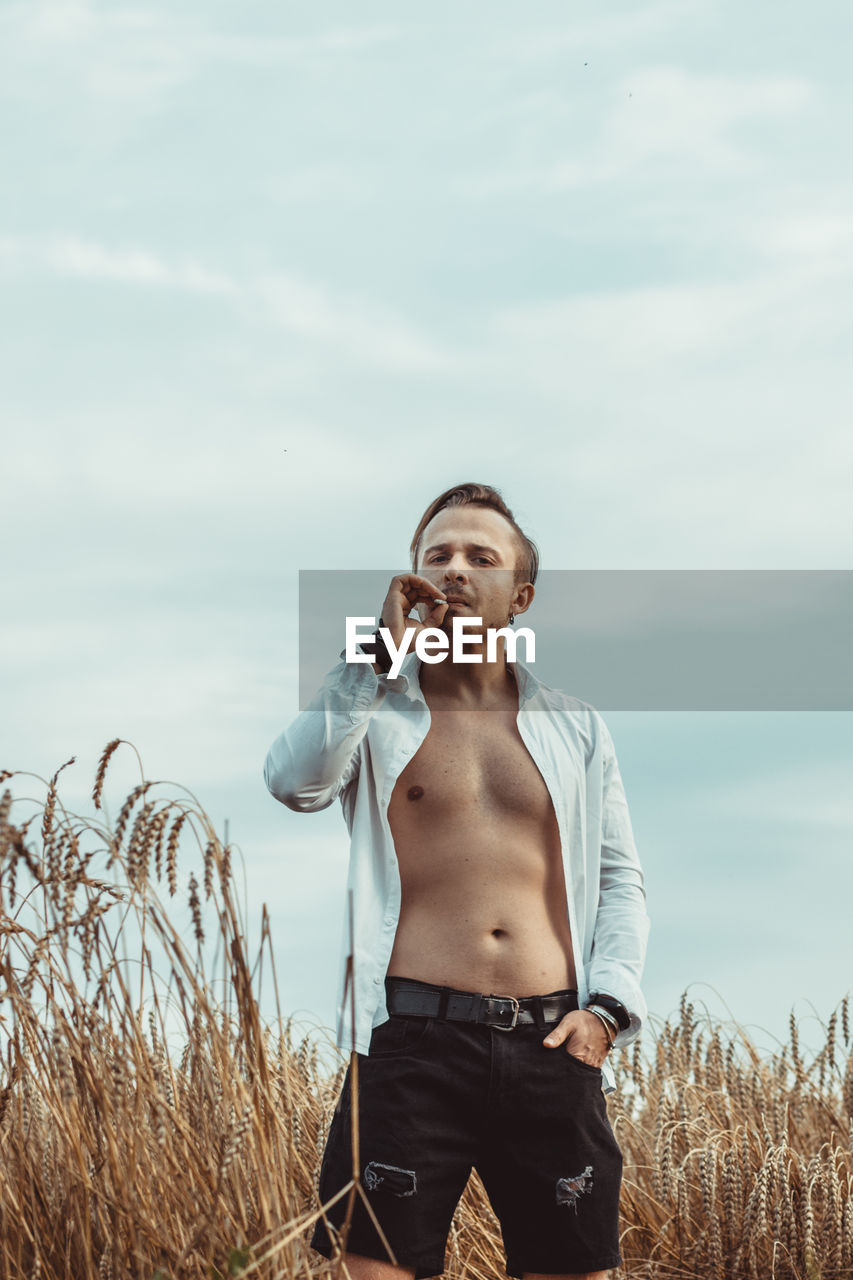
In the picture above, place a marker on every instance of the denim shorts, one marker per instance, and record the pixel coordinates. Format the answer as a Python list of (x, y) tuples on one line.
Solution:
[(438, 1098)]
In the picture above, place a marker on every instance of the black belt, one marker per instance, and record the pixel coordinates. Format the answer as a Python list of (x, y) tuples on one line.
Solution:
[(423, 1000)]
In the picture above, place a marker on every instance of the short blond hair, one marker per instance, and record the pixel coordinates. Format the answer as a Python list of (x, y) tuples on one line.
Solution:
[(481, 495)]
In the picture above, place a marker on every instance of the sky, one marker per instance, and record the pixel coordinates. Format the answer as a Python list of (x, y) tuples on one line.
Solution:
[(272, 277)]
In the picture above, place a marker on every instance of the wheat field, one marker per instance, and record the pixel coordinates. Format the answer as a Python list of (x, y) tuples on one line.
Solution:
[(122, 1155)]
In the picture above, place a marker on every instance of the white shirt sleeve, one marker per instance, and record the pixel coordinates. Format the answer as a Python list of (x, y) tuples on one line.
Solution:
[(622, 923), (317, 755)]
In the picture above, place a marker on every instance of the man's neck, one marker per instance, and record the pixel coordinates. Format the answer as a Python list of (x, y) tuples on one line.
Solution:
[(475, 685)]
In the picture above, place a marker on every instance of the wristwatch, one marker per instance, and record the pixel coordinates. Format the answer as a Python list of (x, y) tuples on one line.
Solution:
[(620, 1013)]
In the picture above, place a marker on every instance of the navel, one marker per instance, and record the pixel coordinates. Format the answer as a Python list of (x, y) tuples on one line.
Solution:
[(499, 933), (414, 793)]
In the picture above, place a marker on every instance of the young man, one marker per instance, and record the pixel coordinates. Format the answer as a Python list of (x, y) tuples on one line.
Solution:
[(499, 921)]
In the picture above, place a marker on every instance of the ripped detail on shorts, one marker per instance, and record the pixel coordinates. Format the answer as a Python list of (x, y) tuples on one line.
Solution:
[(400, 1182), (570, 1190)]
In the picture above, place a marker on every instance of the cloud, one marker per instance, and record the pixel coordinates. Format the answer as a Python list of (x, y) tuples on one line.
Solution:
[(69, 255), (822, 233), (655, 327), (810, 796), (136, 53), (102, 52), (652, 118), (320, 182), (361, 329), (673, 112), (545, 43)]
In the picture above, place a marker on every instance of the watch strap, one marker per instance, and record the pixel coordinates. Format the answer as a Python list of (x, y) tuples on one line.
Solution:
[(612, 1005)]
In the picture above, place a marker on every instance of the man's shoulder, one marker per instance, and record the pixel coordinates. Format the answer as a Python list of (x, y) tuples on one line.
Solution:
[(569, 705), (580, 718)]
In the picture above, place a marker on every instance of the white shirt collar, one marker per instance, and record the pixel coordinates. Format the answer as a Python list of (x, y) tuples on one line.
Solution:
[(408, 681)]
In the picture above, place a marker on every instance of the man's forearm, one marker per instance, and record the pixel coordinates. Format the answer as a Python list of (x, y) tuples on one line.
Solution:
[(619, 947), (311, 761), (621, 924)]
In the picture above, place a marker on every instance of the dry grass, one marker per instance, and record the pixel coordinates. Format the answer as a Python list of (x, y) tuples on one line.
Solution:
[(121, 1158)]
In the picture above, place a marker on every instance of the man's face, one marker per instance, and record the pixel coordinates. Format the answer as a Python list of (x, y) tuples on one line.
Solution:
[(471, 553)]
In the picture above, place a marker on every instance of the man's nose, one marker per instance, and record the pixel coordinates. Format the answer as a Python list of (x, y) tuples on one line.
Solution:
[(455, 570)]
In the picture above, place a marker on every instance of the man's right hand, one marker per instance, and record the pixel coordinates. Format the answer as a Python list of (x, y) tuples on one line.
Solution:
[(406, 591)]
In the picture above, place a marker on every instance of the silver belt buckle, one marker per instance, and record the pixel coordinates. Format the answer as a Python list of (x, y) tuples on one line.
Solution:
[(515, 1011)]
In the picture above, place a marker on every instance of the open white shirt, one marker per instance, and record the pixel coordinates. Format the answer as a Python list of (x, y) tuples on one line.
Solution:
[(353, 741)]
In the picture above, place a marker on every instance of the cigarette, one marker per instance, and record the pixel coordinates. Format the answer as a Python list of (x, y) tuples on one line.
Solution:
[(438, 601)]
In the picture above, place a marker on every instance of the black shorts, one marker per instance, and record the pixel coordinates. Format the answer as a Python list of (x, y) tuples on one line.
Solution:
[(437, 1098)]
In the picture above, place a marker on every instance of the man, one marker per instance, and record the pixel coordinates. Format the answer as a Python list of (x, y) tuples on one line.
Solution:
[(499, 921)]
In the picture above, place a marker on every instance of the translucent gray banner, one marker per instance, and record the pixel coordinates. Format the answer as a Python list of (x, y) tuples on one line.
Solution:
[(645, 640)]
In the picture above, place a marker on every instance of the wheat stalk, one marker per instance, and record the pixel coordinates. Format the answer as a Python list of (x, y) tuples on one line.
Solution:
[(119, 1155)]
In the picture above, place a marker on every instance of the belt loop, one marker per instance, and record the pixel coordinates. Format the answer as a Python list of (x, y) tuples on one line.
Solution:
[(539, 1011), (443, 1000)]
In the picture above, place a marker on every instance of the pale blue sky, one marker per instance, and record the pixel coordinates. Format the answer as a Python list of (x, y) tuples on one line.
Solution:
[(270, 278)]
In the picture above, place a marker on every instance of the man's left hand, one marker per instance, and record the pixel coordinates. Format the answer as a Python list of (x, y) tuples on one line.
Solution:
[(584, 1036)]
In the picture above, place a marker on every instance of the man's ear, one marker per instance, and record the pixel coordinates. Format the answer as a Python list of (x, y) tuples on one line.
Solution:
[(523, 597)]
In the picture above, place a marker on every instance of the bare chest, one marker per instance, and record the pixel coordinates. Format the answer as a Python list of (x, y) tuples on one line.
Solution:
[(472, 761)]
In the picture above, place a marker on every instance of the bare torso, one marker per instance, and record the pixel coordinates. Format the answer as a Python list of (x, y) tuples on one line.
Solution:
[(483, 888)]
